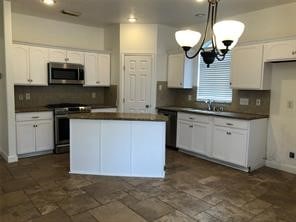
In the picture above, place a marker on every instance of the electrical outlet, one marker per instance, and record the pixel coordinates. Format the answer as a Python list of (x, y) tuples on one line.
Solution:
[(292, 155), (258, 102), (159, 87), (28, 96), (93, 95), (290, 104), (21, 97), (244, 101), (189, 97)]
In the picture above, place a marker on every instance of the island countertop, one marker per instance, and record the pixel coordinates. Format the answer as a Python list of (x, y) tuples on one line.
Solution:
[(120, 116)]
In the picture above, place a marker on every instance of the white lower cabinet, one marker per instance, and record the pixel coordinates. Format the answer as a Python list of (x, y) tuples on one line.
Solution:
[(237, 143), (230, 145), (34, 132), (193, 133)]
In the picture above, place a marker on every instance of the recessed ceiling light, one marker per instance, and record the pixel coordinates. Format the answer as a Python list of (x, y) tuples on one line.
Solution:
[(49, 2), (200, 14), (71, 13), (132, 19), (199, 0)]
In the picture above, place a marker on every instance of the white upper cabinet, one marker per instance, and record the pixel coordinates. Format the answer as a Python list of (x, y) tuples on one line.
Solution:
[(247, 68), (38, 58), (60, 55), (57, 55), (19, 63), (29, 65), (179, 71), (104, 69), (75, 57), (280, 51), (97, 69)]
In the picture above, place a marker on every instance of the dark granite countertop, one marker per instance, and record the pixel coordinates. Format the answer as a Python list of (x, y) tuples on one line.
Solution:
[(233, 115), (44, 108), (33, 109), (96, 106), (120, 116)]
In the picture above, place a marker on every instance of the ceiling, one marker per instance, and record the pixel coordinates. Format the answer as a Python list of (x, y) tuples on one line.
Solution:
[(175, 13)]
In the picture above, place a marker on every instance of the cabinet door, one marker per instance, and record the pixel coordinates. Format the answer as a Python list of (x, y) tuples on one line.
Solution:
[(38, 65), (75, 57), (184, 135), (57, 55), (237, 147), (219, 143), (201, 138), (25, 137), (247, 67), (230, 145), (91, 69), (280, 51), (44, 135), (175, 70), (104, 69), (19, 62)]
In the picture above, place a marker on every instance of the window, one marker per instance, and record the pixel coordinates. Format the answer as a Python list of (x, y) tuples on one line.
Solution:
[(214, 82)]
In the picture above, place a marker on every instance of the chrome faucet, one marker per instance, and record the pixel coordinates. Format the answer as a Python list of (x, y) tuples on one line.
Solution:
[(209, 103)]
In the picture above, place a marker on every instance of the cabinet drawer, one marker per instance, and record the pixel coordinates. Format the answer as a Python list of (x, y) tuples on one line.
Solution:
[(193, 117), (233, 123), (33, 116)]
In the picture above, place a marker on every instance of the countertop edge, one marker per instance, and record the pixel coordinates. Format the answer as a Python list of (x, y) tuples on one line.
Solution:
[(231, 115)]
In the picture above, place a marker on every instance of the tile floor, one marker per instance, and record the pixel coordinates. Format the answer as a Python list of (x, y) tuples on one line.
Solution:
[(40, 189)]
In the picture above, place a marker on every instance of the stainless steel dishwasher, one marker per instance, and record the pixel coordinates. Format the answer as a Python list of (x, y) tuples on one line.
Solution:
[(171, 127)]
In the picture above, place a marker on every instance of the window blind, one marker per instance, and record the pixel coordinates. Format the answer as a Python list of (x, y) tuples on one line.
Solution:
[(214, 82)]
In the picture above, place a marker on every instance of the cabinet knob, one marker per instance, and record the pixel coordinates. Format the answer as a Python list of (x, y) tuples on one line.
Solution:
[(98, 82), (181, 84), (191, 126), (228, 133), (66, 59)]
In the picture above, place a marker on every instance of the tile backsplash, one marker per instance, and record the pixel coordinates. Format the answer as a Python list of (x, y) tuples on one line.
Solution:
[(44, 95), (180, 97)]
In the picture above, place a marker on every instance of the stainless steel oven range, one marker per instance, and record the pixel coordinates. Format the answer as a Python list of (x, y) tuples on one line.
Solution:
[(62, 123)]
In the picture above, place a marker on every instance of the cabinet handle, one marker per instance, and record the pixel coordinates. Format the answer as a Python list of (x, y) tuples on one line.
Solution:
[(230, 83), (191, 126), (35, 117), (228, 133), (98, 82), (66, 59), (229, 124), (191, 118)]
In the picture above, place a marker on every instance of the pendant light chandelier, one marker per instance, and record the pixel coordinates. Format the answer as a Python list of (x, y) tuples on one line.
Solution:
[(225, 35)]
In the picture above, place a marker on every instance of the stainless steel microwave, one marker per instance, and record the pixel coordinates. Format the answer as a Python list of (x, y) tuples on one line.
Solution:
[(65, 73)]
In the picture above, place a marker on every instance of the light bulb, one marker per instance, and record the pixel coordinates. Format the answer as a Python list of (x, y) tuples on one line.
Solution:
[(49, 2)]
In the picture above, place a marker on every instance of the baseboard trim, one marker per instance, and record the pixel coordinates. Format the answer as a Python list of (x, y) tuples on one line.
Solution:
[(279, 166), (9, 159)]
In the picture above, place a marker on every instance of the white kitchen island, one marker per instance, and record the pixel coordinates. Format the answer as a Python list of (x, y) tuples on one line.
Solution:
[(117, 144)]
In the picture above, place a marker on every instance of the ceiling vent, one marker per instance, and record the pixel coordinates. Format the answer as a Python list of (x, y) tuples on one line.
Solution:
[(71, 13)]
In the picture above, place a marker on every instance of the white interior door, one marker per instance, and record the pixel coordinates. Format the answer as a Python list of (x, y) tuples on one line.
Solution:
[(137, 84)]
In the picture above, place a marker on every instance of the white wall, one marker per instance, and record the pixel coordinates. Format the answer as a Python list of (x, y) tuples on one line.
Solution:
[(138, 38), (11, 155), (50, 32), (271, 23), (282, 124), (165, 42), (111, 36), (3, 102)]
